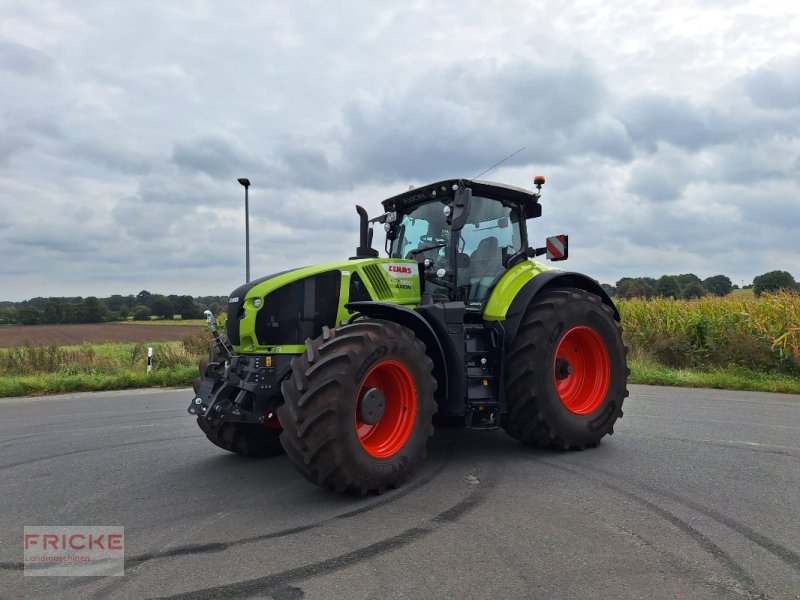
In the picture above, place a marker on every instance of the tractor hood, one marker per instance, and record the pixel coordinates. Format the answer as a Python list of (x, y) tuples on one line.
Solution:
[(277, 313)]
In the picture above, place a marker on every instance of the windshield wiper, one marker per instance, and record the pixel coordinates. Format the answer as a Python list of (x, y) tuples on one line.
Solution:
[(413, 253)]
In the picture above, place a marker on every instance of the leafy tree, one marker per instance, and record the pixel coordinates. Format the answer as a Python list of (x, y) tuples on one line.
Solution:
[(638, 288), (53, 311), (93, 310), (774, 281), (70, 313), (141, 313), (124, 312), (694, 290), (8, 315), (162, 307), (635, 287), (186, 307), (28, 315), (144, 297), (719, 285), (622, 286), (39, 303), (609, 289), (80, 312), (667, 286), (116, 302), (687, 278)]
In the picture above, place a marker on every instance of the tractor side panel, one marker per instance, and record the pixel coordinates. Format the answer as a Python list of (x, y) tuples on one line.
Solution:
[(387, 280)]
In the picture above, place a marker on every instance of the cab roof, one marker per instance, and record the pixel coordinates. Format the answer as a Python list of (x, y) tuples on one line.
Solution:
[(434, 191)]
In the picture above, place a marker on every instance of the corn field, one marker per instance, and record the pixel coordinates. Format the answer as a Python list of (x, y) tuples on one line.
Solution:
[(762, 334)]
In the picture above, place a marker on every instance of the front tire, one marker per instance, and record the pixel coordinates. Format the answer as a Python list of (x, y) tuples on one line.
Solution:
[(566, 372), (248, 439), (256, 440), (358, 407)]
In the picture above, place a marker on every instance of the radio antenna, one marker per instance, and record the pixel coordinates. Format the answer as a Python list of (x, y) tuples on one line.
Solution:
[(499, 163)]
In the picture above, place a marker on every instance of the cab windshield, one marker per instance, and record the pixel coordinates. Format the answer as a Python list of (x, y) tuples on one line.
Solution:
[(490, 236)]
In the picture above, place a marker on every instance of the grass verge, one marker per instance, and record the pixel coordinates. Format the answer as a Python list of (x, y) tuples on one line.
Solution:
[(642, 371), (57, 383), (721, 378)]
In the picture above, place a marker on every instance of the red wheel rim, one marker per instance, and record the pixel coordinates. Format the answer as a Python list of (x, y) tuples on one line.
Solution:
[(581, 370), (386, 437)]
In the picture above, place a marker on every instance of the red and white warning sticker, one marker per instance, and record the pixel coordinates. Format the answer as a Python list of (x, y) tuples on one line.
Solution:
[(557, 247)]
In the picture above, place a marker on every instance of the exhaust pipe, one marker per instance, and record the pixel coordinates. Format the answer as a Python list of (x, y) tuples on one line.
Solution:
[(364, 249)]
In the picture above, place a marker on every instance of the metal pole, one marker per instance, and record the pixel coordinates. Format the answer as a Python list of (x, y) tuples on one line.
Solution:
[(247, 231), (246, 183)]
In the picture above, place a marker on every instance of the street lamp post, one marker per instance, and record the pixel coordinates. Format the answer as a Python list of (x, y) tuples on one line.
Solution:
[(246, 183)]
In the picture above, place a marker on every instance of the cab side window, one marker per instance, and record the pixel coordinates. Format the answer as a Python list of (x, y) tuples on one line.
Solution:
[(491, 235)]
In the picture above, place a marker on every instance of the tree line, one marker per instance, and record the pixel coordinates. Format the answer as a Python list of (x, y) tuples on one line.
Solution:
[(690, 286), (142, 306)]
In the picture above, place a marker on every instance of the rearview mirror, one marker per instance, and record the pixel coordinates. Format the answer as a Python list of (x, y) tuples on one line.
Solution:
[(461, 204)]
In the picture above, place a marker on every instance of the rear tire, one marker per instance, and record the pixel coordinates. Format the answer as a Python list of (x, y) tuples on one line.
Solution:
[(566, 372), (330, 430)]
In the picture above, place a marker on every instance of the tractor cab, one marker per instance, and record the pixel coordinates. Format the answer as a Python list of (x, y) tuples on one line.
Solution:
[(464, 234)]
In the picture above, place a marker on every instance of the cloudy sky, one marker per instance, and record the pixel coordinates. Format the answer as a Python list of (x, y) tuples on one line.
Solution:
[(669, 132)]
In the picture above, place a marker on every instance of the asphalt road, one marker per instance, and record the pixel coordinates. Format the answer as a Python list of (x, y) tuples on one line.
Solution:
[(697, 495)]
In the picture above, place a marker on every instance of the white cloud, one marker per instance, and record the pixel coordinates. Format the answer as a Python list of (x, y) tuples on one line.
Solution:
[(669, 134)]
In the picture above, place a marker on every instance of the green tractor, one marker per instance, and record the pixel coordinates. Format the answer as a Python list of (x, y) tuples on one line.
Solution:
[(343, 366)]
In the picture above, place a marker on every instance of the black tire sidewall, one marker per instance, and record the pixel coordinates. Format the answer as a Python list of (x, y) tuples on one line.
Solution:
[(386, 469), (574, 427)]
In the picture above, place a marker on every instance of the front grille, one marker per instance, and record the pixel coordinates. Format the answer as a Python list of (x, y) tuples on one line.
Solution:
[(378, 281), (299, 310)]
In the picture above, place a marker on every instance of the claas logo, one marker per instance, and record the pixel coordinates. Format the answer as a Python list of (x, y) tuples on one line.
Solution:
[(398, 269)]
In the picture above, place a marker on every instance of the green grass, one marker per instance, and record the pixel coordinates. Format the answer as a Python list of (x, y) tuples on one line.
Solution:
[(722, 378), (56, 383), (36, 370)]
